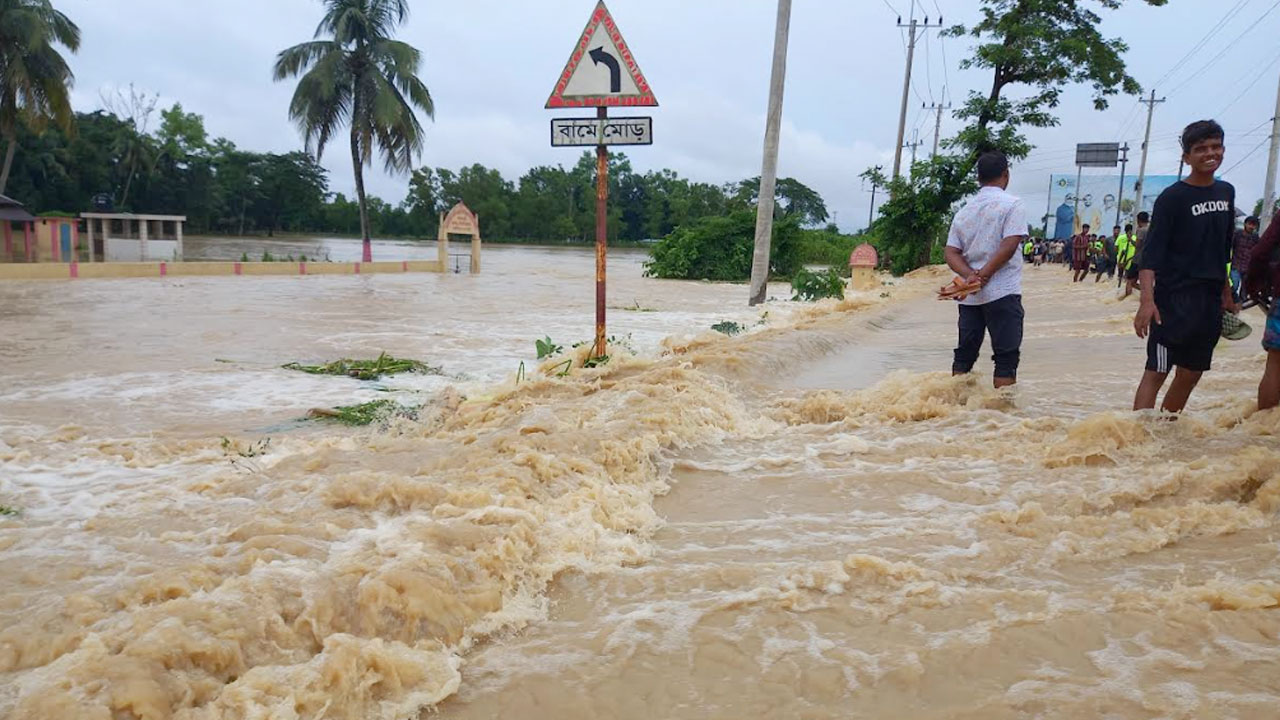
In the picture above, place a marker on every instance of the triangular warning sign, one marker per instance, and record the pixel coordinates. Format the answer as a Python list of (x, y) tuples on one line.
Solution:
[(601, 70)]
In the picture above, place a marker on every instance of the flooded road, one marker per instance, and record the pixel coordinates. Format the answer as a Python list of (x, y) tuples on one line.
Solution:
[(808, 520)]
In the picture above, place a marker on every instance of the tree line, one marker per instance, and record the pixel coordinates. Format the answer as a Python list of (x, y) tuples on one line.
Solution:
[(223, 189)]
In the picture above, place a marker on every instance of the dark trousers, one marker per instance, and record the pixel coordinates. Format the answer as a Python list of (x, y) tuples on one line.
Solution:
[(1003, 320)]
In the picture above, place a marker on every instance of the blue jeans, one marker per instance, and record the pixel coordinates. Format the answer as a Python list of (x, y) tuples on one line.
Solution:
[(1237, 285)]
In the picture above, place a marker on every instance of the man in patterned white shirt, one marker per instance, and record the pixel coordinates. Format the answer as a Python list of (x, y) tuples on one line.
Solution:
[(983, 248)]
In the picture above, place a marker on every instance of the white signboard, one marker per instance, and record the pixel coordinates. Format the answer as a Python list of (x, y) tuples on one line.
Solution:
[(582, 132)]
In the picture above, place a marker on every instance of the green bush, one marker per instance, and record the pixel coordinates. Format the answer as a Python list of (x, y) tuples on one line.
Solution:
[(822, 247), (810, 286), (720, 248)]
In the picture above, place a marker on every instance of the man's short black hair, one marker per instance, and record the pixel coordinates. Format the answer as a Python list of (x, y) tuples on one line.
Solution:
[(1128, 227), (1144, 217), (1252, 219), (1115, 227), (991, 165), (1085, 227), (1199, 131)]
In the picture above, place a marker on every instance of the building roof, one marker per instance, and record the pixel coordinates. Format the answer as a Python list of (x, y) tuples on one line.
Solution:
[(131, 216), (11, 210)]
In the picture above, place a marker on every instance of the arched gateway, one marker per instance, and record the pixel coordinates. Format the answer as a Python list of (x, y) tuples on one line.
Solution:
[(458, 224)]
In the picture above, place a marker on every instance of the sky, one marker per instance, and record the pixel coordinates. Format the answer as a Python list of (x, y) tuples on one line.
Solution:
[(490, 65)]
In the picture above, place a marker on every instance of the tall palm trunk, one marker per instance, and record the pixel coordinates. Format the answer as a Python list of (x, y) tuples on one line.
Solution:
[(367, 255), (8, 162)]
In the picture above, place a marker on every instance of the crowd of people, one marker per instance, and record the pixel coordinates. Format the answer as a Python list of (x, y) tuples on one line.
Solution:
[(1194, 270)]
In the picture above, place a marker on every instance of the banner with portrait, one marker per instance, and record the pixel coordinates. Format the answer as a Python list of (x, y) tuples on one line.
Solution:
[(1098, 196)]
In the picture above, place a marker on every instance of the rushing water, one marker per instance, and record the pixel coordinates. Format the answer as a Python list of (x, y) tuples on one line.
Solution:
[(804, 521)]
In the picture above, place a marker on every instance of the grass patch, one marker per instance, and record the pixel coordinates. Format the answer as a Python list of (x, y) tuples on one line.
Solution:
[(367, 369), (365, 413)]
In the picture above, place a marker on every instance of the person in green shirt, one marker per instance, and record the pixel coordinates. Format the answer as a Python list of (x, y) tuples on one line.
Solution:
[(1125, 248)]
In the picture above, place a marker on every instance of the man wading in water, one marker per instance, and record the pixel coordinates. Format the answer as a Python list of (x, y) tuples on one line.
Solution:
[(1183, 272), (983, 248)]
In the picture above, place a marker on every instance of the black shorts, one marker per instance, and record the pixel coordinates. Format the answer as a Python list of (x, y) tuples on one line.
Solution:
[(1191, 324)]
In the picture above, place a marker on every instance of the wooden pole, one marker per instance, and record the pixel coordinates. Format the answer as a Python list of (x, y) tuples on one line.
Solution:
[(769, 167), (602, 233)]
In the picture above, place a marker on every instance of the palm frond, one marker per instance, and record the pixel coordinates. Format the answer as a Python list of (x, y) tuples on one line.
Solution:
[(293, 61), (322, 102)]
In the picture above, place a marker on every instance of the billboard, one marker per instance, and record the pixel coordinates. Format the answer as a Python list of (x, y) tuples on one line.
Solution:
[(1098, 194)]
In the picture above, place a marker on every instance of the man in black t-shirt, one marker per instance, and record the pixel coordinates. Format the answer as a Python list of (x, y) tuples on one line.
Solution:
[(1183, 272)]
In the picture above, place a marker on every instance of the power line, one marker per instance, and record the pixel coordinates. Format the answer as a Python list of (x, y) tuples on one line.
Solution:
[(1227, 48), (942, 45), (928, 66), (1263, 72), (1204, 40), (1242, 160)]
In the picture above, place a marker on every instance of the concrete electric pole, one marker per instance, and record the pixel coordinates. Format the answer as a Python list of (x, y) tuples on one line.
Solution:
[(937, 126), (1269, 187), (769, 169), (1146, 141), (906, 81), (915, 143)]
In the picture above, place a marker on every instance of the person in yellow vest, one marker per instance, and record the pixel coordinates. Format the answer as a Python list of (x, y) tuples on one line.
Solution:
[(1125, 248)]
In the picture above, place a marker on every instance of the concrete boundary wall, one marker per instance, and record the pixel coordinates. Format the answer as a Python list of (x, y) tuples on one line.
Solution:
[(65, 271)]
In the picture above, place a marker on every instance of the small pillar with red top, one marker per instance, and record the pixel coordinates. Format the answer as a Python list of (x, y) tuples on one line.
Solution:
[(862, 267)]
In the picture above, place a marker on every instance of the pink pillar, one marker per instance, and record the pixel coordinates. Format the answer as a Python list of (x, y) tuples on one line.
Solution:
[(8, 241), (75, 241), (26, 239), (55, 231)]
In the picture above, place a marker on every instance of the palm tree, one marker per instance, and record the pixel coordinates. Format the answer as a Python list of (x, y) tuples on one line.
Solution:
[(359, 77), (33, 76)]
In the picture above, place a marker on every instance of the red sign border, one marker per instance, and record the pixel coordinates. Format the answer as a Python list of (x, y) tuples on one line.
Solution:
[(558, 98)]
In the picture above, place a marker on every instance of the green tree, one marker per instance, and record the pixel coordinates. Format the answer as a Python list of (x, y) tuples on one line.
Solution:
[(484, 191), (794, 199), (720, 248), (359, 77), (291, 192), (34, 77), (1037, 46)]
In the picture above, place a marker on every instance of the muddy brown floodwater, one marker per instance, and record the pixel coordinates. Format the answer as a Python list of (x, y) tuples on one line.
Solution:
[(807, 520)]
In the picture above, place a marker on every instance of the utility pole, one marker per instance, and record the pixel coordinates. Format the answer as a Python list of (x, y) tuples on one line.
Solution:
[(1124, 164), (906, 81), (1146, 141), (1269, 187), (769, 168), (915, 143), (1048, 208), (937, 126), (871, 214)]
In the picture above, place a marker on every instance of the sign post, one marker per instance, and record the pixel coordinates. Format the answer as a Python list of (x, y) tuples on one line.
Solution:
[(602, 237), (611, 78)]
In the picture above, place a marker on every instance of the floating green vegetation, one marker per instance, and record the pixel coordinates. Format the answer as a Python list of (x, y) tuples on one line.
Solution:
[(595, 362), (547, 348), (367, 369), (365, 413), (9, 510), (730, 328)]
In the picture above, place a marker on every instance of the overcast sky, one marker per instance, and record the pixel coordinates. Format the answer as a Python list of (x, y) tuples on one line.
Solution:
[(491, 64)]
